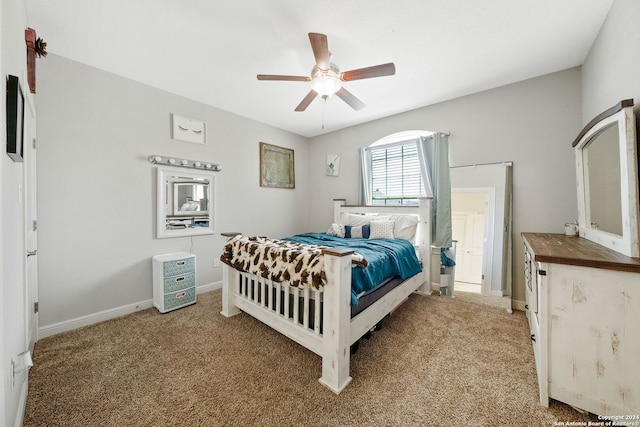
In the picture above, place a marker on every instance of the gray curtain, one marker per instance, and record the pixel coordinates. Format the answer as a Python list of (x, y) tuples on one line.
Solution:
[(435, 153), (365, 189)]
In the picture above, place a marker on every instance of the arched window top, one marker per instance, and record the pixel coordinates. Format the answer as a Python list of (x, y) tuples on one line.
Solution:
[(403, 136), (396, 169)]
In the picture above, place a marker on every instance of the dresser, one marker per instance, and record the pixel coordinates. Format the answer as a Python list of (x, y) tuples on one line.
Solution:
[(583, 309), (174, 280)]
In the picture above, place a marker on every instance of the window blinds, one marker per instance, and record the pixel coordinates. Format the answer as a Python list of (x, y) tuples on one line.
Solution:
[(396, 178)]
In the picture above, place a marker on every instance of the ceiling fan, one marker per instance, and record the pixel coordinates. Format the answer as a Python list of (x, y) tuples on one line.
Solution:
[(326, 78)]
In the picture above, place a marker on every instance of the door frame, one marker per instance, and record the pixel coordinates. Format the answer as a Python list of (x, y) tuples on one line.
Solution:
[(30, 210)]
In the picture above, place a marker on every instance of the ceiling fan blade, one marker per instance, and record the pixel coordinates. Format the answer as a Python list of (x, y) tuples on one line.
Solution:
[(388, 69), (350, 99), (285, 78), (320, 50), (307, 100)]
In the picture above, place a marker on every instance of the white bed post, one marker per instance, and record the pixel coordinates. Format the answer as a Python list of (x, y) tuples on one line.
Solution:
[(230, 278), (337, 204), (336, 322), (423, 240)]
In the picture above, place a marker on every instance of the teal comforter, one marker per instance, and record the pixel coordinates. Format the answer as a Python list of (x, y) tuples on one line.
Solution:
[(386, 258)]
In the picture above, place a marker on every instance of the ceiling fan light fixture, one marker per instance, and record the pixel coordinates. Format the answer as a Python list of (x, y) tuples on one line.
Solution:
[(326, 85), (326, 82)]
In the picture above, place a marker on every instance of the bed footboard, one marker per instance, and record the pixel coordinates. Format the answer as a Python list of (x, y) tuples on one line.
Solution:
[(316, 319)]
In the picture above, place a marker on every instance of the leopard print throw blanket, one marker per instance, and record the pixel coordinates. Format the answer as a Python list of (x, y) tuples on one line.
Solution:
[(300, 265)]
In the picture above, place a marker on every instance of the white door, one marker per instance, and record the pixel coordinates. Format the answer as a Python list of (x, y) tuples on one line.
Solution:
[(468, 230), (30, 224), (475, 247)]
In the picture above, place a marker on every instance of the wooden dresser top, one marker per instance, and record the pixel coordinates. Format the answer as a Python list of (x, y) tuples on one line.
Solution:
[(573, 250)]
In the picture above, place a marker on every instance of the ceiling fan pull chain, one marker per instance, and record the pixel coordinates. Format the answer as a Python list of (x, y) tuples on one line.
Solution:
[(324, 106)]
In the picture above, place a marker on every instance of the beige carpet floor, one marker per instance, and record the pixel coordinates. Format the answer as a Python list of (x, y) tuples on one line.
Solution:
[(436, 362)]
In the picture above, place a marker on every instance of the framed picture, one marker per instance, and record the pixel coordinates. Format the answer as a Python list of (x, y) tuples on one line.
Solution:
[(189, 130), (15, 119), (276, 166), (333, 165)]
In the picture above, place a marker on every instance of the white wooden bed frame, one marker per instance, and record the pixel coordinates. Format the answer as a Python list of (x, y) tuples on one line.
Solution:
[(339, 330)]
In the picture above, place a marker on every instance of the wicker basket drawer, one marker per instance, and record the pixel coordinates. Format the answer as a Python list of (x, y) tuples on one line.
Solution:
[(177, 283), (178, 266), (179, 299)]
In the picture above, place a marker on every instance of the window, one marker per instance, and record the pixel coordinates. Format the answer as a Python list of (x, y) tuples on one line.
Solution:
[(393, 171), (395, 175), (403, 167)]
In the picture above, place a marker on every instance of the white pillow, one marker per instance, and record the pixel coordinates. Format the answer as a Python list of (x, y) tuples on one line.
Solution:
[(406, 226), (336, 230), (381, 230), (357, 219)]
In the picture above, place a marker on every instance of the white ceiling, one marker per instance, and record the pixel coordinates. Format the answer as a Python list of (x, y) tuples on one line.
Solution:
[(211, 50)]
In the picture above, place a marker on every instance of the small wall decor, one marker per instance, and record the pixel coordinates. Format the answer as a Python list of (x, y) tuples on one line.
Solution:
[(333, 164), (189, 130), (276, 166), (35, 47), (15, 119)]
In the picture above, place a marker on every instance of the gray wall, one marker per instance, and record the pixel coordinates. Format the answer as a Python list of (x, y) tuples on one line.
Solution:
[(611, 71), (531, 123), (96, 201)]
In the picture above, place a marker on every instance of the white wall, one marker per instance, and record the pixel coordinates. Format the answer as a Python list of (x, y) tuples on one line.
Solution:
[(531, 123), (611, 71), (96, 188), (12, 252)]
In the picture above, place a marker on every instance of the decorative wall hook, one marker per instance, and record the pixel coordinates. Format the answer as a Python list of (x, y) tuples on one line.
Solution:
[(35, 47)]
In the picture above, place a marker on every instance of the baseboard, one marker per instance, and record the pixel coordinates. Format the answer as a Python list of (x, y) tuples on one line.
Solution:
[(208, 288), (90, 319), (22, 404), (518, 305)]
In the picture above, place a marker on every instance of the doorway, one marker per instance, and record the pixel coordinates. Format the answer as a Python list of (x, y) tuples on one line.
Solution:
[(470, 210)]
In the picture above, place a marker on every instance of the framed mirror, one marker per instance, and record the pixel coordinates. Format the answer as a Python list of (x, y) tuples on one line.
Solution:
[(185, 202), (607, 173)]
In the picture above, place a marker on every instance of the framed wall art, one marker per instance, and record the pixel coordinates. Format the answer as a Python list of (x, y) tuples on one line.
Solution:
[(15, 119), (189, 130), (277, 166), (333, 165)]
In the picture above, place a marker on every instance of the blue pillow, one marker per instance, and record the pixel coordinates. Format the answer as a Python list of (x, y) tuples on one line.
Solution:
[(360, 231)]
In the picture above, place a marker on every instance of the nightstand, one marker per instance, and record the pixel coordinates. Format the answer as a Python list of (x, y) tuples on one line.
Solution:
[(174, 281)]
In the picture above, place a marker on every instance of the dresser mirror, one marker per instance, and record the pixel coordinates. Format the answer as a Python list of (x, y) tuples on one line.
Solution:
[(184, 203), (607, 173)]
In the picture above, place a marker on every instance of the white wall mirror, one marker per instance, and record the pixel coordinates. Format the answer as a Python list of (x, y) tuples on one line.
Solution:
[(607, 172), (185, 204)]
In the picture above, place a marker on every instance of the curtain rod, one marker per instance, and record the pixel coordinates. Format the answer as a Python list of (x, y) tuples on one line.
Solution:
[(482, 164)]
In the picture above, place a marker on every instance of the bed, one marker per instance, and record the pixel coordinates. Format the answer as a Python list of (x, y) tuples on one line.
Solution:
[(319, 308)]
